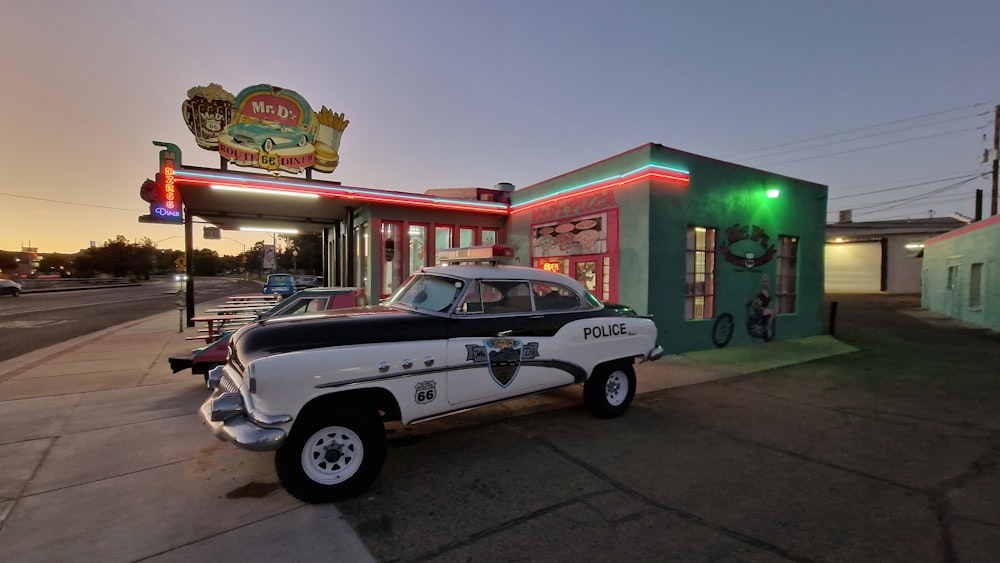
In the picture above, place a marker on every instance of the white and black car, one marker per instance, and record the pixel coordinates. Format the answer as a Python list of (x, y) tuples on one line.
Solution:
[(317, 389)]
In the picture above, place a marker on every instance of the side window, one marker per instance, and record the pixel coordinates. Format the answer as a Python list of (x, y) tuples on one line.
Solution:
[(501, 297), (472, 303), (554, 297), (306, 306)]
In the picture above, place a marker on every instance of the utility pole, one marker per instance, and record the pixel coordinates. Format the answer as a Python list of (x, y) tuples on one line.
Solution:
[(996, 160)]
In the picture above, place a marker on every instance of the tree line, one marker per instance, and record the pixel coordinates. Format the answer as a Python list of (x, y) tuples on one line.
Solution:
[(120, 257)]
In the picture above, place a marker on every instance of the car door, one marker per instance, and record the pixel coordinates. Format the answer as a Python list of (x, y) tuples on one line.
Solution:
[(497, 345)]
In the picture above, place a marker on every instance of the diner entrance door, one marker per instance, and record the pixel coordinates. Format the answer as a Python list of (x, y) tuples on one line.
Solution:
[(588, 271)]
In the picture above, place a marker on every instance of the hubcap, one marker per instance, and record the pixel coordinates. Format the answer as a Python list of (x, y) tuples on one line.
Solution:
[(332, 455), (616, 389)]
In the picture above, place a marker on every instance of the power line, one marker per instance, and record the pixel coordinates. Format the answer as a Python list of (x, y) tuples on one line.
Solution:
[(859, 149), (885, 206), (875, 126), (960, 173), (977, 175), (71, 203), (870, 135)]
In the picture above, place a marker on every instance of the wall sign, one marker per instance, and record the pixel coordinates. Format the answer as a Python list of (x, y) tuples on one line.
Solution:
[(575, 206), (570, 237), (746, 246), (264, 127)]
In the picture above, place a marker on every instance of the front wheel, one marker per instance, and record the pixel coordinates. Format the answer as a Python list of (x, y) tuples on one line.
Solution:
[(722, 330), (332, 457), (609, 391)]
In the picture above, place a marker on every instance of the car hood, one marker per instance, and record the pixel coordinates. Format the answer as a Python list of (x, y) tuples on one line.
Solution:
[(342, 327)]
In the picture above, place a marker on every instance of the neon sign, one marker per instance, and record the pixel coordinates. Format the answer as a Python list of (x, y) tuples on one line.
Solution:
[(166, 204), (552, 267), (169, 190)]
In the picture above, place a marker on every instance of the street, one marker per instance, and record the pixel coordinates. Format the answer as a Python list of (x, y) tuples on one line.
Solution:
[(36, 320)]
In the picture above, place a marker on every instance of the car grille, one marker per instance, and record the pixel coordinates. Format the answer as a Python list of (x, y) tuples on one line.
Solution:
[(227, 386)]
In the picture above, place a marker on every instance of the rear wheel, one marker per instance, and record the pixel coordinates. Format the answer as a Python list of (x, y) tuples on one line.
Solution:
[(609, 391), (330, 457), (769, 330)]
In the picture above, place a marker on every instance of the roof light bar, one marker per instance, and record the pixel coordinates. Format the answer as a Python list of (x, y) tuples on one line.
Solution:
[(476, 254)]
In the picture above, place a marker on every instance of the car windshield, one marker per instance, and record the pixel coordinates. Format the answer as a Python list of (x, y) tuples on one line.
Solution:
[(428, 293)]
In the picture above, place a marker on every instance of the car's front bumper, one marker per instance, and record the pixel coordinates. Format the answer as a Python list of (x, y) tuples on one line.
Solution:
[(226, 414), (241, 431)]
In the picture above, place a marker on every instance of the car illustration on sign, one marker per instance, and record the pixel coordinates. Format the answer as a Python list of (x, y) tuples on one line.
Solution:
[(269, 136), (318, 389)]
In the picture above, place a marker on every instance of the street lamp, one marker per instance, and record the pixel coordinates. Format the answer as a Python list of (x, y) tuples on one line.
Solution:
[(295, 254)]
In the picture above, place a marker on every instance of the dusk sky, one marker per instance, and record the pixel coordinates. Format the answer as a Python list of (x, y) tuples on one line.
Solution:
[(894, 98)]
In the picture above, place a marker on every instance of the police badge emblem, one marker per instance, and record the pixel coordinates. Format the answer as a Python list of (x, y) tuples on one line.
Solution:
[(504, 355)]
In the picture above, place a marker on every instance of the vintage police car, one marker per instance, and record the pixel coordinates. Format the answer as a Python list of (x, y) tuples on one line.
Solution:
[(318, 388)]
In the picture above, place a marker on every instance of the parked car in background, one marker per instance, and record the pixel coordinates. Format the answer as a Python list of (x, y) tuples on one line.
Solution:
[(279, 284), (318, 389), (303, 282), (10, 287), (305, 302)]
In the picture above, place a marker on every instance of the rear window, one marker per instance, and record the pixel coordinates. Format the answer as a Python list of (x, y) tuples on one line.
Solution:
[(279, 280)]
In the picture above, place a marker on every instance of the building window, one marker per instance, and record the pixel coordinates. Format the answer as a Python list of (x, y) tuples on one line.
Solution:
[(466, 236), (392, 257), (788, 265), (418, 247), (361, 256), (442, 240), (699, 292), (490, 236), (952, 277), (975, 285)]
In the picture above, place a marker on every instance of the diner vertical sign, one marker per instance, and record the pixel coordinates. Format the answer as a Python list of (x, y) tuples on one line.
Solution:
[(162, 193)]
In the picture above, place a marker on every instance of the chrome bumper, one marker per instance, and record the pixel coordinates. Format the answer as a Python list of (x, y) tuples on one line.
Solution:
[(225, 413), (654, 354)]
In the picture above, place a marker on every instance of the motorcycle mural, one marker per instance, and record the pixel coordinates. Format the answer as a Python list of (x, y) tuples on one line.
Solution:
[(759, 322)]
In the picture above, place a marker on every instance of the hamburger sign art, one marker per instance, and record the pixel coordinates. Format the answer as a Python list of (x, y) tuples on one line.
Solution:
[(265, 127)]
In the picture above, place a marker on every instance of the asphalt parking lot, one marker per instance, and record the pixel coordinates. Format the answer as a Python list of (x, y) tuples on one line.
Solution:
[(880, 444)]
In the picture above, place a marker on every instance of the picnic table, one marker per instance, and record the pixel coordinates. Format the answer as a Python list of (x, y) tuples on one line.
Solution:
[(238, 309), (215, 325), (262, 297)]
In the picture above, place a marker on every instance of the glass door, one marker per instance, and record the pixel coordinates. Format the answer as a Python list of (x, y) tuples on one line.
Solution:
[(588, 271)]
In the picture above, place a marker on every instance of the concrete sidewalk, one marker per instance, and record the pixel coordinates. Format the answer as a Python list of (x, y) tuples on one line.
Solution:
[(103, 457)]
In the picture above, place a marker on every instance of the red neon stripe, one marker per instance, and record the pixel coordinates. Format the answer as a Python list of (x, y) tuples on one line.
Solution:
[(349, 195), (612, 185)]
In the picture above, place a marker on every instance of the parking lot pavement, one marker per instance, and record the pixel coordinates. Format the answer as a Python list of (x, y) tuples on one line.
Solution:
[(880, 444)]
